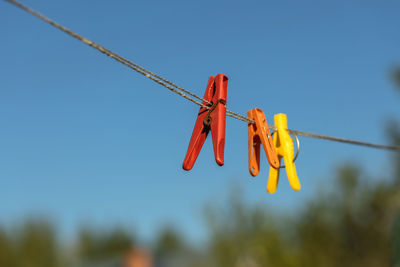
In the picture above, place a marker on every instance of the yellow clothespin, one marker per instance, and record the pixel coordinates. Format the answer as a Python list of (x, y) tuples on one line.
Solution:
[(284, 146)]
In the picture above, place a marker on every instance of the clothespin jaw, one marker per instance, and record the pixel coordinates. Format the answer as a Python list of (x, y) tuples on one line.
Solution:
[(285, 149), (259, 134), (212, 119)]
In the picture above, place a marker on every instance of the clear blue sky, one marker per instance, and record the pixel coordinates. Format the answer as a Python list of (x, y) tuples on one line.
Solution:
[(85, 139)]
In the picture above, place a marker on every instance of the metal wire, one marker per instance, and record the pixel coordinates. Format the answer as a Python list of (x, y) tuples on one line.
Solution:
[(344, 140), (181, 91)]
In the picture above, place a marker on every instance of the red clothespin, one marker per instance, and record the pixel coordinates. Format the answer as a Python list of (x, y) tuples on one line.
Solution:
[(210, 119)]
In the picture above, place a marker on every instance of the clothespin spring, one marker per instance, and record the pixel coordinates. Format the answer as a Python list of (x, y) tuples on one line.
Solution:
[(297, 151), (207, 119)]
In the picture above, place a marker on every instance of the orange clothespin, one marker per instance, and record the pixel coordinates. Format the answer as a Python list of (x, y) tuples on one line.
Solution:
[(260, 134), (284, 147)]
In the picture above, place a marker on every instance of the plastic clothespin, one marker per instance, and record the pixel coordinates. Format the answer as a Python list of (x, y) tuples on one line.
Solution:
[(284, 147), (210, 119), (259, 134)]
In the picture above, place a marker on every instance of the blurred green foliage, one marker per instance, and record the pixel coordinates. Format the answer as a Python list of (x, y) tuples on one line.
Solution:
[(169, 242), (348, 226), (396, 76), (355, 223), (29, 245), (100, 245)]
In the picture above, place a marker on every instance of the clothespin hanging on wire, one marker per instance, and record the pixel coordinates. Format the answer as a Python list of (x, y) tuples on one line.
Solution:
[(212, 119), (259, 134), (284, 147)]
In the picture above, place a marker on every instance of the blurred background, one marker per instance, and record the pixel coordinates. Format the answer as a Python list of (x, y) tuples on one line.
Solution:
[(91, 152)]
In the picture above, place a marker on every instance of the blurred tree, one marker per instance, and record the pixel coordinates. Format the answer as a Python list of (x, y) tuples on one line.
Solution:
[(102, 245), (32, 244), (171, 249), (394, 135), (350, 225), (7, 257), (242, 235), (396, 76), (169, 241), (394, 128), (36, 245)]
